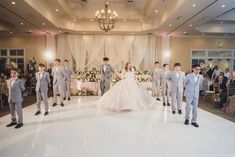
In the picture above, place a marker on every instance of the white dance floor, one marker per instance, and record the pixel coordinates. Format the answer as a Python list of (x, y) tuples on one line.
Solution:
[(81, 130)]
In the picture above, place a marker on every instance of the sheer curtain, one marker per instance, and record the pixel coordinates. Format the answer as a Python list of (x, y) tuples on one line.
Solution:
[(88, 50)]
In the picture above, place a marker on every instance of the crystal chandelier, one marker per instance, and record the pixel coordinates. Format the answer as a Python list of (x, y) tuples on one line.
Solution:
[(106, 18)]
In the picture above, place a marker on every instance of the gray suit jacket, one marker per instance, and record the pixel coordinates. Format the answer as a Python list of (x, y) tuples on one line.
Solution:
[(107, 74), (192, 87), (59, 76), (164, 75), (43, 82), (156, 74), (69, 72), (15, 91), (177, 83)]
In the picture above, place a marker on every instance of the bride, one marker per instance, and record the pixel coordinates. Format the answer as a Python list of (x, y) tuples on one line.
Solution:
[(127, 94)]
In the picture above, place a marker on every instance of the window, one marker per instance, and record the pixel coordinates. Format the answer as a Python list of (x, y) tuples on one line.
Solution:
[(13, 56)]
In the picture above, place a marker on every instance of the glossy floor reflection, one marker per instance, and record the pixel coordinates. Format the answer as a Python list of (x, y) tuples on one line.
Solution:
[(81, 130)]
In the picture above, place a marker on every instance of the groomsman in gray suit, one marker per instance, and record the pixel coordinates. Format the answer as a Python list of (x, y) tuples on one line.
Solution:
[(156, 74), (192, 84), (69, 72), (59, 78), (177, 78), (43, 80), (15, 87), (166, 85), (106, 71)]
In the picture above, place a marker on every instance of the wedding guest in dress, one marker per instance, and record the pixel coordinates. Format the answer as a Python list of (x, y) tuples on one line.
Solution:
[(43, 80), (156, 80), (192, 84), (59, 78), (166, 85), (15, 88), (106, 71), (177, 78), (69, 73)]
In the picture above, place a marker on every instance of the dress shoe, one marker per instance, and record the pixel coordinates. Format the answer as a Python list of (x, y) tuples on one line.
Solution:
[(186, 122), (179, 111), (68, 98), (46, 113), (164, 104), (158, 99), (168, 104), (54, 104), (195, 124), (37, 113), (11, 124), (173, 112), (19, 125), (62, 104), (64, 98)]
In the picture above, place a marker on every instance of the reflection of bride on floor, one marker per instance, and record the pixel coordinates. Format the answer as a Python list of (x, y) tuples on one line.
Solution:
[(127, 94)]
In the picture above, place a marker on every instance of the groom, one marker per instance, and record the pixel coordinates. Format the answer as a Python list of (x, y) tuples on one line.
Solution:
[(106, 71)]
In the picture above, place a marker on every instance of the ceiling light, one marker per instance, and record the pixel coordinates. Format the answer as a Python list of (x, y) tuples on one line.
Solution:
[(57, 10), (30, 31), (91, 20), (223, 6), (60, 31), (11, 32), (170, 25), (43, 24), (179, 18), (74, 20), (156, 11), (194, 5), (190, 25), (21, 23), (13, 2), (124, 20), (185, 32), (141, 20)]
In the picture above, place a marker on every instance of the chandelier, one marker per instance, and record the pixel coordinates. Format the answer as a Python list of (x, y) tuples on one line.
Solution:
[(106, 18)]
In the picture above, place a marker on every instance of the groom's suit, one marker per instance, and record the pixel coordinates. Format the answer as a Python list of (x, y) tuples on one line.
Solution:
[(106, 76)]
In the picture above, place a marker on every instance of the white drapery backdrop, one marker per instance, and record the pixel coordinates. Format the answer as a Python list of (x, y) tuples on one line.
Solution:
[(87, 51)]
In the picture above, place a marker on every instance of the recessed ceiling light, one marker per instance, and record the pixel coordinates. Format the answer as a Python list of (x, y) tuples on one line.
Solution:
[(194, 5), (223, 6), (60, 31), (190, 25), (11, 32), (74, 20), (170, 25), (221, 22), (156, 11), (91, 20), (30, 31), (21, 23), (179, 18), (13, 2), (141, 20), (124, 20), (43, 24), (185, 32), (57, 10), (84, 32)]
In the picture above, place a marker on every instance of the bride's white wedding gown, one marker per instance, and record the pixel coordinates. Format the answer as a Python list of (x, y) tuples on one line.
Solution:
[(126, 95)]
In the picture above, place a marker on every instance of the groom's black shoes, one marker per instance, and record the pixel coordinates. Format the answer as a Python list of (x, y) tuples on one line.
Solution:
[(173, 112), (11, 124), (158, 99), (46, 113), (54, 104), (37, 113), (168, 104), (186, 122), (164, 104), (195, 124), (19, 125), (68, 98), (179, 111), (62, 104)]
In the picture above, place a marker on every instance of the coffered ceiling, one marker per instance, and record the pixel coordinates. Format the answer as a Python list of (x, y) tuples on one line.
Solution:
[(173, 17)]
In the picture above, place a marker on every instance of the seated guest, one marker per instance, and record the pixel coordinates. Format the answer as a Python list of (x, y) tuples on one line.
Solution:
[(232, 81), (222, 80)]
